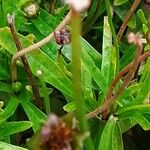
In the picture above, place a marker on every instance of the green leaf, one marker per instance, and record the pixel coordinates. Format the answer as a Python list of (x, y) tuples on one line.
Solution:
[(119, 2), (92, 60), (124, 98), (51, 21), (8, 128), (6, 146), (99, 132), (35, 116), (70, 107), (117, 141), (123, 10), (140, 117), (10, 7), (41, 25), (9, 109), (143, 92), (50, 69), (108, 66), (52, 74), (128, 54), (143, 120), (5, 87), (131, 110), (95, 56), (111, 138), (86, 80), (141, 16), (126, 124), (97, 76), (106, 50), (3, 72)]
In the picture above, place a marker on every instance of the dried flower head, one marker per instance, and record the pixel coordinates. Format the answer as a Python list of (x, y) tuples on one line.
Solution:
[(147, 2), (78, 5), (134, 38), (56, 135), (62, 37)]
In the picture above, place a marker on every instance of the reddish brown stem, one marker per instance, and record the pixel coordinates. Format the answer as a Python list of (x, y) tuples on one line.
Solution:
[(130, 70), (24, 61), (127, 17)]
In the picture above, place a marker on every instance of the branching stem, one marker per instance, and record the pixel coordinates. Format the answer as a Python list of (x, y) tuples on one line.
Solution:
[(38, 44), (130, 70)]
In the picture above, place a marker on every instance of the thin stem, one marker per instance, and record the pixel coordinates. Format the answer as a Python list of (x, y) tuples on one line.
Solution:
[(127, 17), (24, 61), (39, 44), (108, 8), (76, 72)]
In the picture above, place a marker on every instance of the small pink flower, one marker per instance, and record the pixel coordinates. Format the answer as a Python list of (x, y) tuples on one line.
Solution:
[(78, 5)]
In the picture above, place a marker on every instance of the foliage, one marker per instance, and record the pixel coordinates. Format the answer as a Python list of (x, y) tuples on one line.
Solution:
[(102, 56)]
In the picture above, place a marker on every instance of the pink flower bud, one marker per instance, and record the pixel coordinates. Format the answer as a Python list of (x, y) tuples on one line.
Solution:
[(78, 5)]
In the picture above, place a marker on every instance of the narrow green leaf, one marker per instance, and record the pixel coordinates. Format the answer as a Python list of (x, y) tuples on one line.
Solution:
[(111, 137), (5, 87), (141, 16), (143, 92), (9, 109), (48, 18), (124, 98), (86, 80), (128, 55), (6, 146), (106, 137), (8, 128), (36, 28), (70, 107), (119, 2), (94, 70), (52, 74), (41, 25), (117, 141), (106, 51), (95, 56), (92, 60), (121, 11), (3, 72), (143, 121), (99, 132), (35, 116), (126, 124), (131, 110)]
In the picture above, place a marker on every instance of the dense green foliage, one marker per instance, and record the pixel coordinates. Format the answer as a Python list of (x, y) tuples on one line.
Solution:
[(101, 56)]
